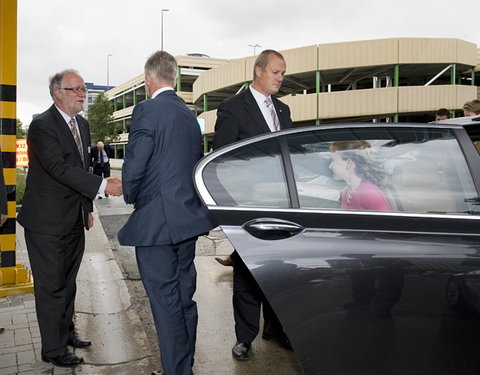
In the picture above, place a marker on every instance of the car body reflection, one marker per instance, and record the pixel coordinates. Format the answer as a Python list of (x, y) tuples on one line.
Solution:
[(358, 291)]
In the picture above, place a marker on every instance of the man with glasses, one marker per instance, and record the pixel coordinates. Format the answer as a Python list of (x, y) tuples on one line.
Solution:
[(57, 206)]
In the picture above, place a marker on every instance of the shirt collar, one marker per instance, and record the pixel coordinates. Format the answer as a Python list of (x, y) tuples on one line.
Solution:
[(66, 117), (259, 97), (159, 91)]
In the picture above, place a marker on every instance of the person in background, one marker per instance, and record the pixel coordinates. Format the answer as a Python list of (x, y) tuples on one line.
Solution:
[(442, 114), (57, 206), (471, 108), (3, 203), (164, 146), (101, 161), (254, 111)]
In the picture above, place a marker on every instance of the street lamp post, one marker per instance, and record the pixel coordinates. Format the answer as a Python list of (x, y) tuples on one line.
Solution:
[(108, 71), (161, 38), (254, 48)]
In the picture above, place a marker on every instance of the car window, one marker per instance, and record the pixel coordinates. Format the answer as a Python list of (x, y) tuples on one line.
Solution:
[(251, 176), (382, 169)]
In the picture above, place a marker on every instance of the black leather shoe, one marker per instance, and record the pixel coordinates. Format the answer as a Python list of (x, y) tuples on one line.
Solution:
[(227, 261), (281, 339), (241, 351), (66, 359), (79, 343), (159, 372)]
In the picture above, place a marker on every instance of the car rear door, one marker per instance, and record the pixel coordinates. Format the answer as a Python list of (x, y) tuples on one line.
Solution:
[(358, 291)]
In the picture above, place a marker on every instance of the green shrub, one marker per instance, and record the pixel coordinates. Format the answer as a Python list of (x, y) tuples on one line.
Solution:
[(21, 177)]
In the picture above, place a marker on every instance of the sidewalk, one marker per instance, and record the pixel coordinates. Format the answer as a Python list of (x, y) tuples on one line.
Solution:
[(110, 317), (103, 310)]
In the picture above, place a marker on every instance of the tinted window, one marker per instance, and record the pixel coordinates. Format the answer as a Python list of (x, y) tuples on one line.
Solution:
[(250, 176), (412, 170)]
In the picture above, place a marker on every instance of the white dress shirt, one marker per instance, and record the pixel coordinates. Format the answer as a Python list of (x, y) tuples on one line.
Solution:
[(67, 119), (260, 99)]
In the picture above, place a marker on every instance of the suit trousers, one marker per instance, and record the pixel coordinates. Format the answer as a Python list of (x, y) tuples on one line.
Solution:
[(102, 171), (248, 299), (169, 277), (55, 261)]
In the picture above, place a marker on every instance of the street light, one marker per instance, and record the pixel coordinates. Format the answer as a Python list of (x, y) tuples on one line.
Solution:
[(163, 10), (108, 71), (254, 48)]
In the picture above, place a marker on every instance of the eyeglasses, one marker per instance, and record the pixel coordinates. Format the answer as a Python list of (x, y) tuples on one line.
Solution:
[(76, 90)]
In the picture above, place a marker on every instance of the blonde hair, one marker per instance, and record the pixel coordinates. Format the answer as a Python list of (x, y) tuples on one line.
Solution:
[(360, 152), (472, 106)]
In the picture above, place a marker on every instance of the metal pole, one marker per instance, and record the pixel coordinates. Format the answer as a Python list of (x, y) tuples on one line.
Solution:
[(14, 278), (161, 38), (254, 48), (108, 71)]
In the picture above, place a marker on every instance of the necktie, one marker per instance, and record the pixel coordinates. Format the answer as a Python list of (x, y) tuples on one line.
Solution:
[(76, 137), (100, 157), (269, 104)]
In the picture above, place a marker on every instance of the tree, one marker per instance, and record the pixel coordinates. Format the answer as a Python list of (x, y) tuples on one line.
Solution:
[(100, 117), (21, 133)]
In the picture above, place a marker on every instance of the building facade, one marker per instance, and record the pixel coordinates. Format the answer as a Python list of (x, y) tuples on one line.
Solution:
[(384, 80), (92, 92), (125, 96)]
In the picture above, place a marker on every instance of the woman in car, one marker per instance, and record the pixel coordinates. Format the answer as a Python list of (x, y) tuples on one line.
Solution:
[(352, 162)]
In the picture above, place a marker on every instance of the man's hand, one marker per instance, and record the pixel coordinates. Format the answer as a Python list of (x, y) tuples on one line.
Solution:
[(3, 219), (89, 220), (114, 186)]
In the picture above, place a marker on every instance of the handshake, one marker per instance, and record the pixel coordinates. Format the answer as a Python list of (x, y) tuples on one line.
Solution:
[(114, 186)]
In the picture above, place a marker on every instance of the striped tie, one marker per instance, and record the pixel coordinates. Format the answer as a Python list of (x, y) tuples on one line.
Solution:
[(77, 139), (269, 103)]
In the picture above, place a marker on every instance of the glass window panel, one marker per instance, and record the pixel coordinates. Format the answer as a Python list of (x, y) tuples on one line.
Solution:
[(251, 176), (412, 169)]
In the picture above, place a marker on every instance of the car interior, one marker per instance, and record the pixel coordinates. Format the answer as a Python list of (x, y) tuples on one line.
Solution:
[(424, 171)]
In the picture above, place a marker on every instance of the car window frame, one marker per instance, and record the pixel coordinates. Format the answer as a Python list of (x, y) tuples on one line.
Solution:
[(464, 141)]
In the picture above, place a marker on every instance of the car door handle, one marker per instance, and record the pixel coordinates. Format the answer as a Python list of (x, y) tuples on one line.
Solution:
[(272, 229)]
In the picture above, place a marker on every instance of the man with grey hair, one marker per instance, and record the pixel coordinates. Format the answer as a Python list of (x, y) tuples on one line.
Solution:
[(163, 147), (57, 206)]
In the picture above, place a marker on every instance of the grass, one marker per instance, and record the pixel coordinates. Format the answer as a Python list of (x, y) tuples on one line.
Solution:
[(21, 177)]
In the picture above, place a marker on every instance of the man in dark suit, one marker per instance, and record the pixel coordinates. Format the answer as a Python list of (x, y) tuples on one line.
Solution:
[(57, 205), (253, 112), (101, 161), (163, 147)]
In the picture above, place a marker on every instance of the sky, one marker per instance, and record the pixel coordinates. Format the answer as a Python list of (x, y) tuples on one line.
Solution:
[(54, 35)]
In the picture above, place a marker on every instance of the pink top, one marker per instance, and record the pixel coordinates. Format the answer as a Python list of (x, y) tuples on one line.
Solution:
[(368, 196)]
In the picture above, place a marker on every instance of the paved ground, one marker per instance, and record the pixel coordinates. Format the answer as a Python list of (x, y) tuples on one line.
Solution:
[(112, 310)]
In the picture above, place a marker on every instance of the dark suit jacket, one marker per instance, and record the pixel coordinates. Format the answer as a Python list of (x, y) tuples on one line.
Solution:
[(58, 185), (163, 147), (94, 154), (239, 117)]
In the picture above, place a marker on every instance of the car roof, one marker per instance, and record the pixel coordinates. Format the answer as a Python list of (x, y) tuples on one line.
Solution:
[(370, 125), (470, 123), (467, 120)]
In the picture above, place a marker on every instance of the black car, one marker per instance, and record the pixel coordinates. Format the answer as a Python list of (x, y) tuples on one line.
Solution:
[(357, 270)]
